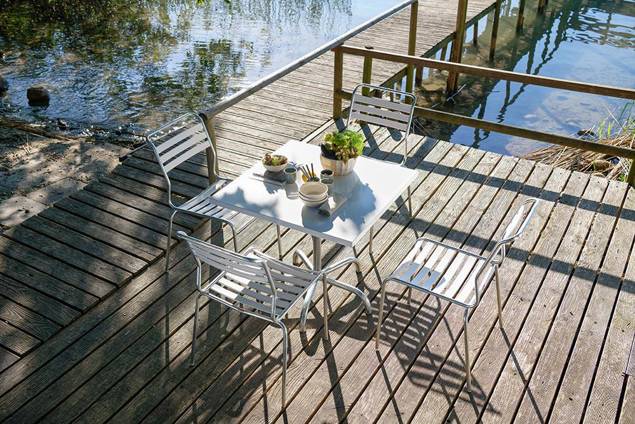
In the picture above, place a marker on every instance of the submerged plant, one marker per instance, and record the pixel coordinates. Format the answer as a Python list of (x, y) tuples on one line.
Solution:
[(343, 145)]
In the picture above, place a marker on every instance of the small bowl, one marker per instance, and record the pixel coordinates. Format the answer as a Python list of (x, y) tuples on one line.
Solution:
[(276, 168), (313, 202), (313, 190)]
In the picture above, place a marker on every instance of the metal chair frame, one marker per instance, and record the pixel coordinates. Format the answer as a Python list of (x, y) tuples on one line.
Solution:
[(489, 269), (180, 148), (386, 113), (252, 268)]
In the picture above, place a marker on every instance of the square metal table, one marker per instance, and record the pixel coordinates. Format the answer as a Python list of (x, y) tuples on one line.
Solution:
[(366, 194)]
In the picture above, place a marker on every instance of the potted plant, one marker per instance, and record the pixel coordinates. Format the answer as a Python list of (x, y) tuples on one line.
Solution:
[(340, 150)]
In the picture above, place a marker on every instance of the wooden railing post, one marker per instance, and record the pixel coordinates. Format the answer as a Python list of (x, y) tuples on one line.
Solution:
[(212, 159), (631, 175), (457, 45), (412, 44), (475, 34), (367, 72), (338, 76), (521, 16), (492, 45)]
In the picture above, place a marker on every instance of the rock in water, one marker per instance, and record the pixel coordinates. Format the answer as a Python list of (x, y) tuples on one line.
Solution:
[(38, 96), (4, 85)]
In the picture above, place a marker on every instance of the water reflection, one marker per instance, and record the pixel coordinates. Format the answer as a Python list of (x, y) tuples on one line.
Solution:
[(591, 41), (111, 62)]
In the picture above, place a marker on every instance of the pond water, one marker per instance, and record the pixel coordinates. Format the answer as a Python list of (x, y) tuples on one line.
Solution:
[(119, 62), (584, 40)]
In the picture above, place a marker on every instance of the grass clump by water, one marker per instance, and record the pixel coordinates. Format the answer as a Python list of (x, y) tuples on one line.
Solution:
[(614, 130)]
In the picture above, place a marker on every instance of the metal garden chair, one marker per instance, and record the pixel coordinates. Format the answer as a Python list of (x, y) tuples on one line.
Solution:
[(254, 284), (456, 275), (367, 107), (177, 142)]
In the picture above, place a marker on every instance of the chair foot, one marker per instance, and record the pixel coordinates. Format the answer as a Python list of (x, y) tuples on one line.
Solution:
[(468, 370), (278, 232), (380, 314), (285, 358)]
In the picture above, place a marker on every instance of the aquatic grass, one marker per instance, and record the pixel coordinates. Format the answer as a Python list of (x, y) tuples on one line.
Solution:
[(616, 130)]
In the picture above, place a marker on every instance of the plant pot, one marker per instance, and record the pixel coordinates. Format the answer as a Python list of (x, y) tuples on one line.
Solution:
[(339, 167)]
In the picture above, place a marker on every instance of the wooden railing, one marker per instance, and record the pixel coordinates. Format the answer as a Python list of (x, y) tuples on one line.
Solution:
[(451, 118)]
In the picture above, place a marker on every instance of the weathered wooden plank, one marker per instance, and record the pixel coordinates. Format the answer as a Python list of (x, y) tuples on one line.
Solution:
[(401, 336), (470, 231), (16, 340), (546, 376), (104, 252), (140, 320), (67, 254), (101, 233), (64, 274), (578, 377), (628, 402), (427, 364), (521, 278), (26, 320), (112, 221), (527, 347), (7, 358), (36, 301), (45, 283), (603, 402)]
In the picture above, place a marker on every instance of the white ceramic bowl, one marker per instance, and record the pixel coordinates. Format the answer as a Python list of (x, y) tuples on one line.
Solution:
[(275, 168), (313, 190), (313, 203)]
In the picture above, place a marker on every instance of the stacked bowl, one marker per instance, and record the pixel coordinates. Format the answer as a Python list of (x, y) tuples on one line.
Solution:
[(313, 193)]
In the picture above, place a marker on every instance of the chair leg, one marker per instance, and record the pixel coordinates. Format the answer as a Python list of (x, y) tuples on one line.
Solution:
[(285, 357), (234, 236), (279, 242), (325, 300), (169, 243), (468, 370), (498, 297), (198, 296), (410, 202), (380, 314), (370, 239)]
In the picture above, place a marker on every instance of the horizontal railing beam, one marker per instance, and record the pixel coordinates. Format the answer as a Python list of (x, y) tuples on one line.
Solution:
[(576, 143), (582, 87)]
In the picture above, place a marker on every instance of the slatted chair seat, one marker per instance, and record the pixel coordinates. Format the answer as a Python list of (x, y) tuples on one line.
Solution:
[(254, 284), (256, 297), (445, 271), (456, 275), (176, 143)]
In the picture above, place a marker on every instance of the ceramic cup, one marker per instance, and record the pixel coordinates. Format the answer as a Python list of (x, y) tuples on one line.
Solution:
[(290, 174)]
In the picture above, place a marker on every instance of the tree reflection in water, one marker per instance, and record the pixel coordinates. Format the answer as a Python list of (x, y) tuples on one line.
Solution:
[(117, 61)]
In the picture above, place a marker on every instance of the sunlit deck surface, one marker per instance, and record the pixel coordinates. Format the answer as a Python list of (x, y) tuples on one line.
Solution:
[(91, 329)]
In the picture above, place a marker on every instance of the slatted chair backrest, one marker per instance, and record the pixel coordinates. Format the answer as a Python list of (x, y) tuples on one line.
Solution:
[(178, 141), (252, 269), (514, 229), (392, 114)]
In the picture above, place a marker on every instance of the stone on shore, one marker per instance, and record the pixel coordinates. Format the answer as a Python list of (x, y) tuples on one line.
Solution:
[(4, 85), (38, 95)]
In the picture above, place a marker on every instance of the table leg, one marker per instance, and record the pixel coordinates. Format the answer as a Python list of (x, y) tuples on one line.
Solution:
[(317, 266)]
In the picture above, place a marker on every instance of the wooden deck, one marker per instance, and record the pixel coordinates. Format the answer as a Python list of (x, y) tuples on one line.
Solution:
[(92, 330)]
